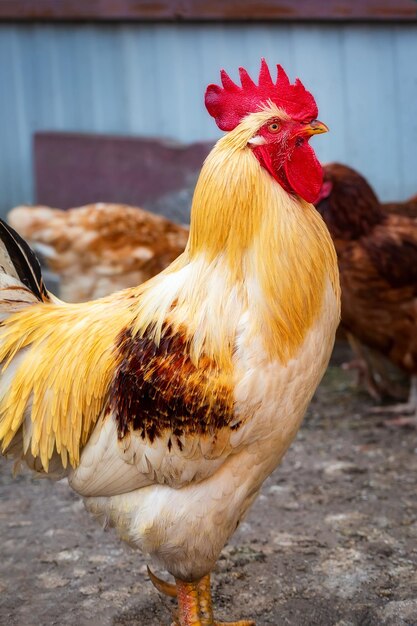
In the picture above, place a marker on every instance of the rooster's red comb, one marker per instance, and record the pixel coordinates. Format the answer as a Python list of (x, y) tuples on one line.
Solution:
[(230, 104)]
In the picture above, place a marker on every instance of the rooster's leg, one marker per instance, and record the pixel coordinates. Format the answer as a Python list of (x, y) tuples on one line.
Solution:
[(206, 606), (189, 613), (195, 605), (194, 602)]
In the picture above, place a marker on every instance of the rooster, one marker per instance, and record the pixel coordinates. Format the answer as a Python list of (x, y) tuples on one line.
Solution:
[(168, 405), (99, 248), (377, 255)]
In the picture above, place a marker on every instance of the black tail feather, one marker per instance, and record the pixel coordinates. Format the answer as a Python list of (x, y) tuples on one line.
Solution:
[(18, 259)]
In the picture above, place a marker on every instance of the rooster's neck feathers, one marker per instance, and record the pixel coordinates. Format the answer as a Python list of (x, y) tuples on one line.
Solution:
[(254, 250)]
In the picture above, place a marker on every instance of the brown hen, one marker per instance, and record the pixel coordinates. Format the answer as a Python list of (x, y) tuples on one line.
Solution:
[(407, 207), (377, 254), (99, 248)]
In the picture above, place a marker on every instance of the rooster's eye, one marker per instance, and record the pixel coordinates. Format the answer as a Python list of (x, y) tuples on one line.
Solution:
[(274, 127)]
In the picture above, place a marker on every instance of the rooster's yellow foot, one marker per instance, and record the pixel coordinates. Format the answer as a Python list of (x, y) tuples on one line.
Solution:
[(240, 623), (194, 602)]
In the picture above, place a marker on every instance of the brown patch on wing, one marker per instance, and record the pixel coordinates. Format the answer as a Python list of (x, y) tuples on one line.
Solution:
[(158, 388)]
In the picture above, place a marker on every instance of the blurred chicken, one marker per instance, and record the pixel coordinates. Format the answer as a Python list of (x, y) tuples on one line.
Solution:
[(168, 405), (408, 208), (377, 254), (99, 248)]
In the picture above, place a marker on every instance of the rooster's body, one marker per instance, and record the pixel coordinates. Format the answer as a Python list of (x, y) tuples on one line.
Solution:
[(169, 404)]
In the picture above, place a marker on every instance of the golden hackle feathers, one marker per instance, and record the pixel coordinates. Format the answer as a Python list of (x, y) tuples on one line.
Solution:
[(273, 245), (249, 239), (229, 199)]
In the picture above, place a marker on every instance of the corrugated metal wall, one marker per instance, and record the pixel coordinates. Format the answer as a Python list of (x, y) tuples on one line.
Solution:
[(150, 79)]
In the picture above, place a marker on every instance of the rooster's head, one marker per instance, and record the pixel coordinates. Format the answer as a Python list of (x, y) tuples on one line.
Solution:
[(275, 120)]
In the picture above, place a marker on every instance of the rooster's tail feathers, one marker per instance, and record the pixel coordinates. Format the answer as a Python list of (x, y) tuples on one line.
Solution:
[(21, 281)]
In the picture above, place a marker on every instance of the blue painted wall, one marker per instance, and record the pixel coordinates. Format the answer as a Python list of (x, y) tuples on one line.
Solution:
[(150, 80)]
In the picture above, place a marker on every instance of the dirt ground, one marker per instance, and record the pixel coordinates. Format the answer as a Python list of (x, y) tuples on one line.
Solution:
[(331, 541)]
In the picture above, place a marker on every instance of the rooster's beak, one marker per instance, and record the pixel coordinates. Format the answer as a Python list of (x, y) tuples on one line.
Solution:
[(315, 128)]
